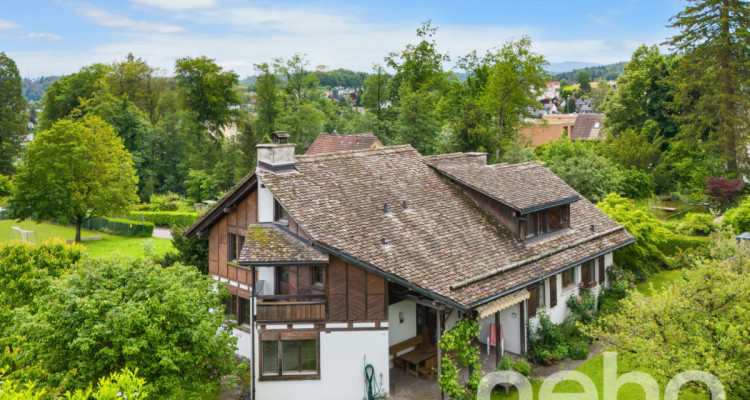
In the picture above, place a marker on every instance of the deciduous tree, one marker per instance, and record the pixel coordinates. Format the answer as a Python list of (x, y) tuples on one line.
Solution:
[(13, 117), (74, 171)]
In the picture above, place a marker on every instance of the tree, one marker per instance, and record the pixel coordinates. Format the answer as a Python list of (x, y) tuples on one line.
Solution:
[(589, 174), (632, 149), (74, 171), (300, 82), (125, 384), (138, 81), (12, 114), (714, 74), (514, 78), (584, 80), (207, 90), (268, 102), (419, 66), (699, 322), (599, 94), (417, 120), (376, 91), (66, 95), (114, 313)]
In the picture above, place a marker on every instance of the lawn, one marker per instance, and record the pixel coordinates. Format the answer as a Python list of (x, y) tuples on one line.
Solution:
[(108, 245), (659, 281)]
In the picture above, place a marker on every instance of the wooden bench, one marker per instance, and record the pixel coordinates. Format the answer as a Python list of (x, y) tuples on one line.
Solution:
[(428, 370), (414, 342)]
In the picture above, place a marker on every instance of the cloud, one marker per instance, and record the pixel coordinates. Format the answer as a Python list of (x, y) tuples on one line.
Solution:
[(8, 25), (104, 18), (48, 36), (176, 5)]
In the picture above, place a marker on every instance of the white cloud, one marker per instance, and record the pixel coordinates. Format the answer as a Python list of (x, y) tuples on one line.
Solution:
[(104, 18), (8, 25), (176, 5), (48, 36)]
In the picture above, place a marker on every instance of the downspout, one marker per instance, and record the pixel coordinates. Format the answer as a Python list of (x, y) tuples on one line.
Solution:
[(252, 337)]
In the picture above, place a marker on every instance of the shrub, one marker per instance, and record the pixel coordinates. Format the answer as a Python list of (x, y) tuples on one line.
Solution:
[(582, 306), (738, 218), (723, 190), (636, 184), (169, 219), (547, 342), (120, 227), (506, 364), (696, 224), (522, 367), (620, 287), (683, 242), (579, 349)]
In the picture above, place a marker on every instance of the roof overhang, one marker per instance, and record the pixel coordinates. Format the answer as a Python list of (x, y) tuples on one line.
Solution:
[(247, 185)]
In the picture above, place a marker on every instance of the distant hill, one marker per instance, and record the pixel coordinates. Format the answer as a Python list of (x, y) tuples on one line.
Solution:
[(608, 72), (33, 89), (564, 66)]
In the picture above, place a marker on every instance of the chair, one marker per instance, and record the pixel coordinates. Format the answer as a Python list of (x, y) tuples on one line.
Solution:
[(428, 370)]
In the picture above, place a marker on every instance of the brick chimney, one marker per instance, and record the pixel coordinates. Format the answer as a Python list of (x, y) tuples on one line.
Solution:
[(277, 156)]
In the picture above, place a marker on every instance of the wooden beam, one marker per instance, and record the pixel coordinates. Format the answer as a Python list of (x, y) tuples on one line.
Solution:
[(427, 303), (439, 350), (498, 339)]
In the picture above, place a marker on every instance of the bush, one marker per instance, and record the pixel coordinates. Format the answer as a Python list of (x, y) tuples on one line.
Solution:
[(166, 202), (547, 342), (683, 242), (506, 364), (636, 184), (696, 224), (620, 287), (738, 218), (579, 349), (120, 227), (171, 219), (582, 306), (522, 367)]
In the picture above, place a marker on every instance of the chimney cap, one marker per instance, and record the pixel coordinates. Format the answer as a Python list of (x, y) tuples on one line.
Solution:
[(279, 136)]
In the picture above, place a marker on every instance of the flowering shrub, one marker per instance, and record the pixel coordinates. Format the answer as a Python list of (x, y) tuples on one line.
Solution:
[(620, 286), (547, 342), (582, 306)]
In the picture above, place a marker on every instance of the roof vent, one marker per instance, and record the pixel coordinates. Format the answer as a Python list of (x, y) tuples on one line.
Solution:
[(280, 137), (403, 203), (385, 243), (385, 210), (592, 228)]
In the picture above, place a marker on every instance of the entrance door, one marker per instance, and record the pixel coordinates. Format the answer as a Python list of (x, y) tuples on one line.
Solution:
[(427, 323)]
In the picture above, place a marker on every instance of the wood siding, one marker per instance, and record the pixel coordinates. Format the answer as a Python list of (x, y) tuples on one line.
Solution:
[(244, 213), (355, 294), (503, 213), (291, 312)]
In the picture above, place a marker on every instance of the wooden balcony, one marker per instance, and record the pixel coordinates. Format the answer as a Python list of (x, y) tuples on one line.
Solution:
[(291, 308)]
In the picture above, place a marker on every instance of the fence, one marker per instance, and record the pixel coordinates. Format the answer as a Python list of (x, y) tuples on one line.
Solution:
[(120, 227)]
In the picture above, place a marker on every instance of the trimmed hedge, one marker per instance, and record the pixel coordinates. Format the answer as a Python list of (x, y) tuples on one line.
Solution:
[(169, 219), (683, 242), (120, 227)]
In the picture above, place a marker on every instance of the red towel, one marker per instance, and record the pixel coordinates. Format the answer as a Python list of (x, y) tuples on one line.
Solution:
[(492, 340)]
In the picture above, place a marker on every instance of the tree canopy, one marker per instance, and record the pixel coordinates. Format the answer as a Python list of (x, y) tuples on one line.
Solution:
[(12, 114)]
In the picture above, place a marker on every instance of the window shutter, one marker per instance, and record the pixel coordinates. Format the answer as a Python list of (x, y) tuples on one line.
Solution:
[(601, 270), (553, 291), (533, 300)]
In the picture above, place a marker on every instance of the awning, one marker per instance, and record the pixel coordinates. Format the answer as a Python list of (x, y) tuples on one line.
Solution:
[(503, 303)]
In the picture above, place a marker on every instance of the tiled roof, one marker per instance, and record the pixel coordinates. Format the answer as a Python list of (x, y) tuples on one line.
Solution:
[(266, 244), (586, 128), (333, 143), (524, 187), (441, 238)]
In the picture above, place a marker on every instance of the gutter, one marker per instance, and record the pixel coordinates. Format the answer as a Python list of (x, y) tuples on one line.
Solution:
[(554, 272), (497, 271), (391, 277)]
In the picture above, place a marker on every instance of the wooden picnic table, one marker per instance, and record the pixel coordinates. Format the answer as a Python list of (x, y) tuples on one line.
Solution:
[(417, 357)]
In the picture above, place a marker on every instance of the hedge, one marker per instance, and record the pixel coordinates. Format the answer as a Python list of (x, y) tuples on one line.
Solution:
[(683, 242), (120, 227), (169, 219)]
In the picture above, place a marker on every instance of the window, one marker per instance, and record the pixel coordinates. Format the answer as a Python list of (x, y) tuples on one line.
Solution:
[(587, 273), (537, 224), (234, 245), (536, 298), (244, 316), (279, 213), (298, 357), (553, 291), (230, 306), (317, 275), (282, 280), (568, 277)]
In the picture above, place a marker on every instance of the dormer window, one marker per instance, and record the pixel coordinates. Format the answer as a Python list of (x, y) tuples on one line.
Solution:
[(279, 213), (537, 224), (546, 222)]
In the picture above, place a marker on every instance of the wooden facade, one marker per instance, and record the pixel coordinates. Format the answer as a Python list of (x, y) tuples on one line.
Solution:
[(235, 221), (355, 294)]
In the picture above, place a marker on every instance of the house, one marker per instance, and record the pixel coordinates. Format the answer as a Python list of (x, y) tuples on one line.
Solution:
[(342, 263), (583, 106), (587, 127), (548, 128), (335, 142)]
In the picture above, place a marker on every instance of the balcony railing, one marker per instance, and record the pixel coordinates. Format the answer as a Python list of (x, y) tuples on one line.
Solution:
[(291, 308)]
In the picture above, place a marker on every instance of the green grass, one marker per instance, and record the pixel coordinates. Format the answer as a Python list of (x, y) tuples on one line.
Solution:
[(108, 245), (659, 280), (594, 370)]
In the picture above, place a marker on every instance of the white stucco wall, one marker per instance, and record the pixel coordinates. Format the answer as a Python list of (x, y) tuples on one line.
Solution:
[(451, 320), (268, 275), (265, 203), (244, 343), (342, 368), (400, 331), (511, 328)]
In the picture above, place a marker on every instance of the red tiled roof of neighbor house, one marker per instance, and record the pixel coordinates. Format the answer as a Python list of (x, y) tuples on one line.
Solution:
[(332, 143), (389, 211), (587, 126)]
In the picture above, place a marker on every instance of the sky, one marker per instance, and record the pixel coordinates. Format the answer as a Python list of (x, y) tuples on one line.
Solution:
[(54, 37)]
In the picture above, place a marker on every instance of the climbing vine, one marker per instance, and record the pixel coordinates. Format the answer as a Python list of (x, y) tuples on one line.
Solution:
[(459, 352)]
